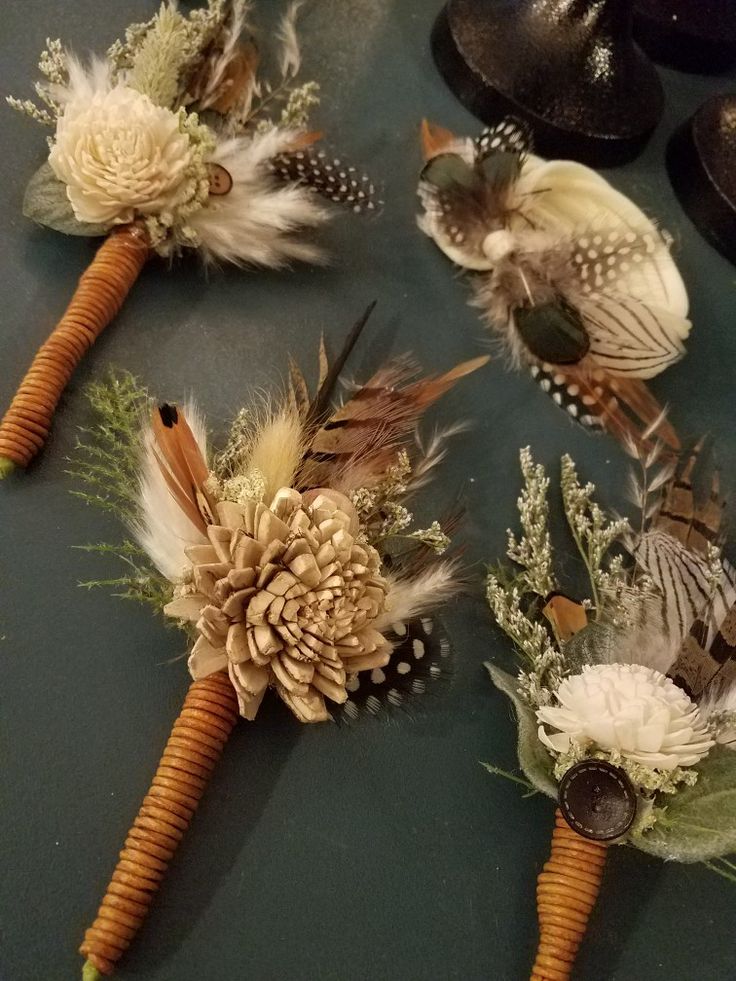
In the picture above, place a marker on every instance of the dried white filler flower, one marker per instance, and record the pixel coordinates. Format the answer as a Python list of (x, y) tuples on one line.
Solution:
[(627, 708)]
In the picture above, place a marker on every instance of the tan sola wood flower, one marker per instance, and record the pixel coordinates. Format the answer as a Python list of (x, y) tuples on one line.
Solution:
[(285, 596)]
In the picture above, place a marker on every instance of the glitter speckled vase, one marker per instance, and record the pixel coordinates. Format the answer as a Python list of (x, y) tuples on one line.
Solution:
[(701, 160), (690, 35), (569, 67)]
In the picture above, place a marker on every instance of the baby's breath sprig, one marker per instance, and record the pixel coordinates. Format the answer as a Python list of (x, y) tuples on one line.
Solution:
[(592, 532), (54, 67), (533, 551), (532, 638)]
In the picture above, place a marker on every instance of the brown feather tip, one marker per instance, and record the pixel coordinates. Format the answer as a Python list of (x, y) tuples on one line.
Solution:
[(182, 464), (359, 440), (428, 390), (566, 616), (435, 139), (169, 415)]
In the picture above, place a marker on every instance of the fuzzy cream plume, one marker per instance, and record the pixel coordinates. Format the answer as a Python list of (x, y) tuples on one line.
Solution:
[(410, 597), (257, 220)]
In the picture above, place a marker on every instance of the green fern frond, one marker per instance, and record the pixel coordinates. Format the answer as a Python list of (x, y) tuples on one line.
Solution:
[(106, 463)]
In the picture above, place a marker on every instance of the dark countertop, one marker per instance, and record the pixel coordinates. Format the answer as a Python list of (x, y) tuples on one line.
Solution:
[(380, 851)]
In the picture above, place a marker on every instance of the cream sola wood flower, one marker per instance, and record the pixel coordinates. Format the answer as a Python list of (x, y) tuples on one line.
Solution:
[(173, 141), (287, 557), (573, 278), (625, 701)]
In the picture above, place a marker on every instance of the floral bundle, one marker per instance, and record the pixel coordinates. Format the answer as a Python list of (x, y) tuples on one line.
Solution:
[(290, 560), (626, 701), (573, 278), (172, 141)]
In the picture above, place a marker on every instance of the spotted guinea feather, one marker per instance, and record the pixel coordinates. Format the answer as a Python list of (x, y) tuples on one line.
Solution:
[(329, 177), (511, 135), (421, 658)]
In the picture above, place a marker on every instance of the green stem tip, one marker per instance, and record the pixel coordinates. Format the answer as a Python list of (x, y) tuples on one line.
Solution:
[(90, 972), (6, 468)]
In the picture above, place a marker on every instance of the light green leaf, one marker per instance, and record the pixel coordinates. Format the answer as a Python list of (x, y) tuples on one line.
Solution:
[(534, 759), (46, 203), (699, 823)]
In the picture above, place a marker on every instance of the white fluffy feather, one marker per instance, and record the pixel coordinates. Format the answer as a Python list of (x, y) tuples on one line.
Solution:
[(164, 531), (254, 223), (85, 81), (409, 598), (290, 58)]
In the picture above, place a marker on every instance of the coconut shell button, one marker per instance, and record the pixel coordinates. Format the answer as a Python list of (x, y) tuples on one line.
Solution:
[(597, 800)]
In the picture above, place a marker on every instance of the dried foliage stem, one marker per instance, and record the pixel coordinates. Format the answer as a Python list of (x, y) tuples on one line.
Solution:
[(196, 742), (567, 889), (97, 299)]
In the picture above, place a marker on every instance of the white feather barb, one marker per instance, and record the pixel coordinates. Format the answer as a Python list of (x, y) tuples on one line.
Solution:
[(290, 57), (240, 11), (255, 222), (433, 453), (409, 598)]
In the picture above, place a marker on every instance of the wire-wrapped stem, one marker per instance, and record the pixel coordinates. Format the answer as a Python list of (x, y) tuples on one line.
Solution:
[(197, 738), (567, 888), (98, 297)]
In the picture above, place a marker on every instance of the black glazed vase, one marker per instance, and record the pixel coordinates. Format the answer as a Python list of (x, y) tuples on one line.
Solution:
[(569, 67), (691, 35), (701, 161)]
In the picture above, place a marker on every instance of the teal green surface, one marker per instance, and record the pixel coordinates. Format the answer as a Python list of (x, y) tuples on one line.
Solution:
[(381, 851)]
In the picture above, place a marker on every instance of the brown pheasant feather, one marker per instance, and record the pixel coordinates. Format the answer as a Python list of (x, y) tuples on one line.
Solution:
[(356, 444), (694, 520), (624, 407), (182, 465)]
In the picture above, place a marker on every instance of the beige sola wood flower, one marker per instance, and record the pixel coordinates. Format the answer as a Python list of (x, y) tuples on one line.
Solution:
[(132, 160), (286, 596), (274, 550)]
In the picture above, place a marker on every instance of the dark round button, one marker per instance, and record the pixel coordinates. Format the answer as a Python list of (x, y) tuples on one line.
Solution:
[(597, 800)]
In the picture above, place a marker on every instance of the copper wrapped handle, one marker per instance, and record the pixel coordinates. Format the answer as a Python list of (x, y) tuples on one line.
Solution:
[(98, 297), (567, 889), (195, 745)]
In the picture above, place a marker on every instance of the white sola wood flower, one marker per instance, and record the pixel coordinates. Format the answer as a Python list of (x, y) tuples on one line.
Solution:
[(628, 708), (120, 155)]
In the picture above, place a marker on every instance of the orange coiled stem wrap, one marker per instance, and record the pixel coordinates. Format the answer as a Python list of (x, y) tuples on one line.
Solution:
[(195, 745), (98, 297), (567, 888)]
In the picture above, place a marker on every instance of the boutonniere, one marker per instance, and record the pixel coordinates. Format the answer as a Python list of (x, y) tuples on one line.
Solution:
[(173, 141), (290, 559), (626, 700), (573, 279)]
